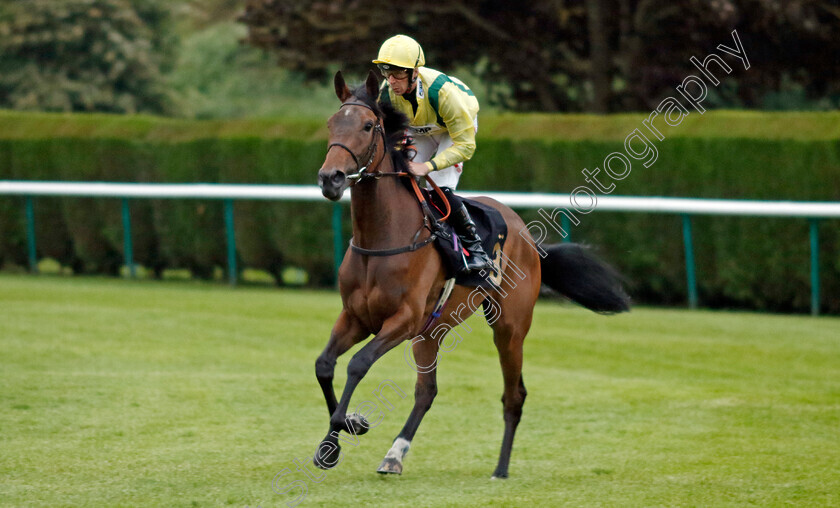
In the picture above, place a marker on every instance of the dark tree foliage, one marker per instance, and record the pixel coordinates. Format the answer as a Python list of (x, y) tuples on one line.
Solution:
[(569, 55), (85, 55)]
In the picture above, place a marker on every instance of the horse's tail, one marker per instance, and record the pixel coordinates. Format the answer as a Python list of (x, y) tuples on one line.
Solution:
[(573, 271)]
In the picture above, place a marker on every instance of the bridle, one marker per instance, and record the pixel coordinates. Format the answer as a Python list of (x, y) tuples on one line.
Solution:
[(429, 222), (370, 153)]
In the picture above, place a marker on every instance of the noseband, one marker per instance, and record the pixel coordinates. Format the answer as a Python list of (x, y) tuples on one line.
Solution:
[(371, 150)]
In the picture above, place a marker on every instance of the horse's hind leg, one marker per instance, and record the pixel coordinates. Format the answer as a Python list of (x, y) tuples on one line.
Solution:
[(425, 351), (508, 338)]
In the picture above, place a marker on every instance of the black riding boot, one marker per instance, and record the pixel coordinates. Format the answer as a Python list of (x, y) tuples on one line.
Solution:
[(465, 227)]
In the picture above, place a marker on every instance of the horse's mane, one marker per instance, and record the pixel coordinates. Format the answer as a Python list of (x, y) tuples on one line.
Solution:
[(394, 122)]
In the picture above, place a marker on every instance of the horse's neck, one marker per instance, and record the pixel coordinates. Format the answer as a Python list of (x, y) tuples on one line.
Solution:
[(385, 213)]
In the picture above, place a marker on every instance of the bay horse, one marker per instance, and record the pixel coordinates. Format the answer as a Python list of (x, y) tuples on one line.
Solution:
[(390, 281)]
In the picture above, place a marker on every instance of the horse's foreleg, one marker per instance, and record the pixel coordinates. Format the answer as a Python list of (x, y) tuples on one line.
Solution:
[(394, 331), (425, 362), (346, 333)]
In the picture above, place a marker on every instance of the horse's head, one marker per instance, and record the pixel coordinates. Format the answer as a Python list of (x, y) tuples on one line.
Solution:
[(354, 140)]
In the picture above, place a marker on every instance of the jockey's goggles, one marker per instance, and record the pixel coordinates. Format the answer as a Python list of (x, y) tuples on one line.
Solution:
[(389, 70)]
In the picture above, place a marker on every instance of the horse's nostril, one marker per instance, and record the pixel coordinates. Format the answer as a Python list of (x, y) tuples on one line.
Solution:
[(338, 178)]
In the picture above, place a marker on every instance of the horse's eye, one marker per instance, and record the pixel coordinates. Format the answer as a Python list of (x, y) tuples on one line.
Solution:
[(369, 126)]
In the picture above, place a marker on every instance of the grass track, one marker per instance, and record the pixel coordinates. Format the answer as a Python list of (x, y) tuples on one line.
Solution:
[(117, 393)]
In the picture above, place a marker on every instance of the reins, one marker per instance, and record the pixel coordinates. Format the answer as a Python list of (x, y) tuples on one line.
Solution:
[(362, 174), (427, 218)]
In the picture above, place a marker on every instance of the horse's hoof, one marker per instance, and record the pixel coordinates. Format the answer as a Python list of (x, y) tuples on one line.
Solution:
[(390, 465), (499, 476), (359, 423), (327, 455)]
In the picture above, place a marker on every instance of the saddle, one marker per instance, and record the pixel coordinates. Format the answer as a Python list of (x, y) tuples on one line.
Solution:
[(491, 228)]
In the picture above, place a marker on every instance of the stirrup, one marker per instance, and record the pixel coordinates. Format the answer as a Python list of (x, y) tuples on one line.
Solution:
[(478, 259)]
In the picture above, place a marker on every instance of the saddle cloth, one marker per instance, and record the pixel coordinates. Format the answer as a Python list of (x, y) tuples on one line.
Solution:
[(492, 230)]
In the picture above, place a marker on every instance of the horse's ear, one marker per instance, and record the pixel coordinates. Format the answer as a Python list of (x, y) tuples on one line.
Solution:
[(341, 89), (372, 85)]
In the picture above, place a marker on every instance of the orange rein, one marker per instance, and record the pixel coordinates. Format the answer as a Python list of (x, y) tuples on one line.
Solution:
[(362, 173), (417, 192), (422, 198)]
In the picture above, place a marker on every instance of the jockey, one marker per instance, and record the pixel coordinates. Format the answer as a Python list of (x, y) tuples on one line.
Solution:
[(443, 115)]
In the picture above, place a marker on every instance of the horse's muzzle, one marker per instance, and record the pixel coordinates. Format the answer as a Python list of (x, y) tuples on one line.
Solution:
[(332, 183)]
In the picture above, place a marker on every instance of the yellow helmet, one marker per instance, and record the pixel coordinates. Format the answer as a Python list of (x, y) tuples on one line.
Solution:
[(401, 51)]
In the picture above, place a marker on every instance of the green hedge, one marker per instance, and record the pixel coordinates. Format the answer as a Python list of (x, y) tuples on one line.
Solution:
[(741, 262)]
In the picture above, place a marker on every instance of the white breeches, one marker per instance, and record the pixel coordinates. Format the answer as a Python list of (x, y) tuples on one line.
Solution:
[(430, 145)]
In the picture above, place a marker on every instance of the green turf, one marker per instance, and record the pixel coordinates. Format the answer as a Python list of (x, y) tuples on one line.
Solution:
[(122, 393)]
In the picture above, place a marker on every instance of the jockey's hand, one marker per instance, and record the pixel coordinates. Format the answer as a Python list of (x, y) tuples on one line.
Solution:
[(418, 168)]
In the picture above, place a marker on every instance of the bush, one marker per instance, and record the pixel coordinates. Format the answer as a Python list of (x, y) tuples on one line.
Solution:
[(746, 262)]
